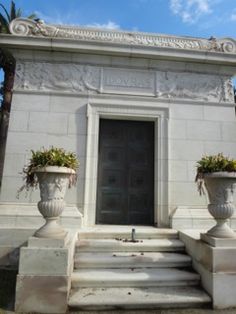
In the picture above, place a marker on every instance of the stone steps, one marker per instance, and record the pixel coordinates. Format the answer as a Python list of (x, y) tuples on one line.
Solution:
[(125, 233), (119, 245), (133, 277), (131, 259), (138, 298), (112, 272)]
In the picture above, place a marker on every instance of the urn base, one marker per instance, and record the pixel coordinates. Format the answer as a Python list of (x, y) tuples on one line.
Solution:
[(51, 229), (221, 230)]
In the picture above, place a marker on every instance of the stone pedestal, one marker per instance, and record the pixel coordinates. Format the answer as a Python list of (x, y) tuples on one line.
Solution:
[(218, 242), (43, 281), (214, 259)]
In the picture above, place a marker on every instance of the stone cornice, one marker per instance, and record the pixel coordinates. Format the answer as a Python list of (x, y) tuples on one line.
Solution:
[(26, 27)]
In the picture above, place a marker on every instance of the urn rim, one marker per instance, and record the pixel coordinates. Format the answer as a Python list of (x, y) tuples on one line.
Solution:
[(220, 174), (55, 169)]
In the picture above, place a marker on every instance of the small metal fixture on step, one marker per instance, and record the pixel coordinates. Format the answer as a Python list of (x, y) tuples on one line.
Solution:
[(133, 235)]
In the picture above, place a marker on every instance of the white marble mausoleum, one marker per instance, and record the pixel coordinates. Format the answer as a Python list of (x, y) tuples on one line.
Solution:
[(139, 110)]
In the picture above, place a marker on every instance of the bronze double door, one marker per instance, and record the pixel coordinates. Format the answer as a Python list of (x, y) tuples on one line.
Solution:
[(125, 191)]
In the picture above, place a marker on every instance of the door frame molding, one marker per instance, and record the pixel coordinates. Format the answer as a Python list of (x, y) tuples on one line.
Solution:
[(123, 109)]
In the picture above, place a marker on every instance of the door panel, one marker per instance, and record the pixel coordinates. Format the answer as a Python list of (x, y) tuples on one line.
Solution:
[(125, 189)]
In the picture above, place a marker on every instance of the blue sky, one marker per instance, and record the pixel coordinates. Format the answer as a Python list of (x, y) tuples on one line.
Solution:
[(197, 18), (201, 18)]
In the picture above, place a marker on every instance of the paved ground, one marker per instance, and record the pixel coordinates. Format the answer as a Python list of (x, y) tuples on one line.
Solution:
[(7, 288)]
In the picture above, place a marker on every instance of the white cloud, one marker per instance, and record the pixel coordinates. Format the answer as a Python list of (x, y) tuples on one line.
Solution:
[(69, 19), (191, 10), (55, 19), (233, 16), (175, 6), (108, 25)]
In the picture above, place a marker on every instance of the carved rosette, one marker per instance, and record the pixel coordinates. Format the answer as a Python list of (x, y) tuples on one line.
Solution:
[(228, 46), (53, 182), (220, 187), (26, 27)]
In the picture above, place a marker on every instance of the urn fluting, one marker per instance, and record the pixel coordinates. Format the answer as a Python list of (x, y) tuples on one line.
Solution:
[(220, 187), (53, 182)]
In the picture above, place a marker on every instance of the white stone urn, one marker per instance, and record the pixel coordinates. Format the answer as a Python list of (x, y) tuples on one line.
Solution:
[(220, 187), (53, 182)]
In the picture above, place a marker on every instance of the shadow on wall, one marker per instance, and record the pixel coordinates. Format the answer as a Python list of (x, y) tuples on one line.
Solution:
[(1, 120), (7, 65), (80, 127)]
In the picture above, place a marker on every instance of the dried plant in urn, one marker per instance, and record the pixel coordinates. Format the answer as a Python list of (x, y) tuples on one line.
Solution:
[(217, 174), (53, 170)]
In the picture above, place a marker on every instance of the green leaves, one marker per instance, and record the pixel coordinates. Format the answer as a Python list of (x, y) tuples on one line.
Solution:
[(4, 25), (216, 163), (54, 157), (48, 157), (6, 18), (213, 163), (5, 11), (12, 11)]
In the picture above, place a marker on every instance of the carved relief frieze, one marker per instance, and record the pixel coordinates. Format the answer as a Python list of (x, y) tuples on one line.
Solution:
[(43, 76), (228, 89), (194, 86), (77, 78)]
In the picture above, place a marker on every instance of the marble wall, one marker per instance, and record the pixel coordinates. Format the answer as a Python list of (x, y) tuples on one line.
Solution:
[(51, 96)]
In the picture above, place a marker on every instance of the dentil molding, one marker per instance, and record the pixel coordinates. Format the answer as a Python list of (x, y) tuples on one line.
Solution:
[(26, 27), (78, 78)]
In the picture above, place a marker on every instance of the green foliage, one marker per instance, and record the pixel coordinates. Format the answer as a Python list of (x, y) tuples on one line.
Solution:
[(53, 157), (48, 157), (213, 163), (6, 17)]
